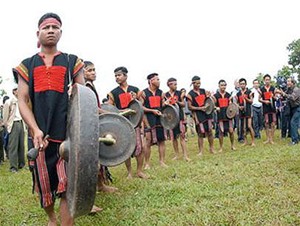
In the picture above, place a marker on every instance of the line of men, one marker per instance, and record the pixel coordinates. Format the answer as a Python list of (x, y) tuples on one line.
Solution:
[(154, 99)]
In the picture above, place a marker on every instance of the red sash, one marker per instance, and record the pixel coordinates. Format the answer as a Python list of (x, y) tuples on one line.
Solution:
[(125, 99), (154, 101), (223, 102), (200, 100)]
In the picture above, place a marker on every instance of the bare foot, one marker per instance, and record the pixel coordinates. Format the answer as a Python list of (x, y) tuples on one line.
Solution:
[(244, 144), (212, 151), (175, 158), (142, 175), (272, 142), (187, 159), (129, 176), (164, 165), (52, 223), (147, 166), (266, 142), (252, 145), (95, 209), (221, 150), (200, 153), (108, 189), (233, 148)]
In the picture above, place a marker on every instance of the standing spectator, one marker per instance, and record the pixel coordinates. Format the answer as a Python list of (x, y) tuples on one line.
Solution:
[(15, 127), (1, 136), (236, 122), (293, 97), (5, 133), (257, 110)]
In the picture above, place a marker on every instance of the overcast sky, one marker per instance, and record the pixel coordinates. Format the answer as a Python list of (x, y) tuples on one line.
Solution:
[(214, 39)]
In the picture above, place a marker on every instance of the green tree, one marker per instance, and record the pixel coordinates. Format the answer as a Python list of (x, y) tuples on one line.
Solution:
[(285, 71), (294, 57)]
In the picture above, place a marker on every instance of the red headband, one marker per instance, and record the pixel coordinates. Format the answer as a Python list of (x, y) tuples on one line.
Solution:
[(48, 21)]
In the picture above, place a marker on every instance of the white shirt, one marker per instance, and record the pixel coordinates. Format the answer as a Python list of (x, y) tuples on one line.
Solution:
[(256, 102)]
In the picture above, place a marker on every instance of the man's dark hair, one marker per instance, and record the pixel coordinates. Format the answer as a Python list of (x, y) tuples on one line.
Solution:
[(171, 80), (152, 75), (122, 69), (49, 15), (222, 80), (266, 75), (242, 80), (255, 80), (87, 63), (196, 78)]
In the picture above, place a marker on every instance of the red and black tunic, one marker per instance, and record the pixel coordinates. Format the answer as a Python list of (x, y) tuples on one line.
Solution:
[(153, 101), (222, 102), (174, 98), (198, 99), (267, 94), (48, 88), (121, 97), (246, 112), (180, 128), (121, 100)]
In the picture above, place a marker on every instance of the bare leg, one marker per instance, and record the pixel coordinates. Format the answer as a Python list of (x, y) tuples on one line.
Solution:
[(139, 162), (251, 131), (272, 132), (51, 215), (210, 139), (161, 150), (267, 133), (147, 150), (245, 132), (184, 149), (66, 219), (176, 149), (231, 135), (200, 145), (129, 170), (221, 139)]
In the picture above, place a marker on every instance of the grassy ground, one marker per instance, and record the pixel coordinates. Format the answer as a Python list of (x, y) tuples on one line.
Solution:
[(250, 186)]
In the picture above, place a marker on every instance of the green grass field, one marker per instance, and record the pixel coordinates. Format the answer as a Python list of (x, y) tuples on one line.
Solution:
[(249, 186)]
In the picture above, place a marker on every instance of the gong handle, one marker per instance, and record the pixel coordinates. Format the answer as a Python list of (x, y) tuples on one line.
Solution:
[(107, 139), (127, 112)]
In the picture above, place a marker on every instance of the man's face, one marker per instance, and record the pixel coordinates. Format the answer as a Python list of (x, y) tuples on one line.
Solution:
[(222, 86), (236, 84), (197, 84), (242, 85), (90, 73), (120, 77), (289, 83), (256, 84), (155, 81), (173, 85), (267, 81), (49, 34)]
